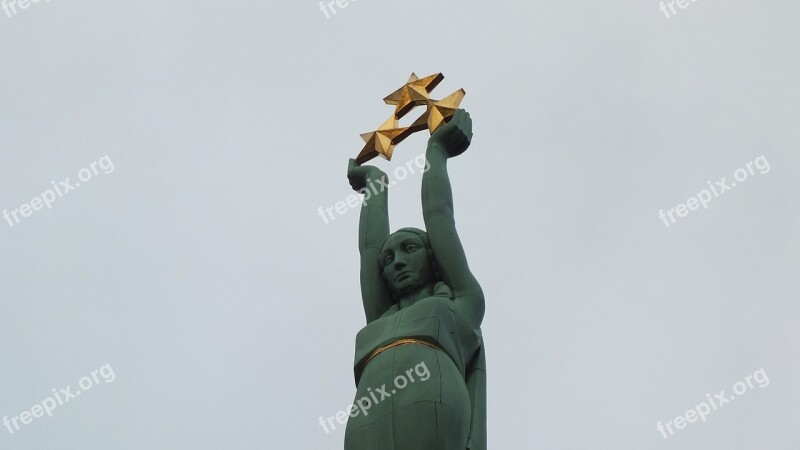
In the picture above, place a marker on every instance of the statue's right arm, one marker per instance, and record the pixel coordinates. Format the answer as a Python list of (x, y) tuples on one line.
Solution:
[(373, 229)]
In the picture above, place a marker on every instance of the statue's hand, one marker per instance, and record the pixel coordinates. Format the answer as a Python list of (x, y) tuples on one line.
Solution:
[(359, 176), (455, 136)]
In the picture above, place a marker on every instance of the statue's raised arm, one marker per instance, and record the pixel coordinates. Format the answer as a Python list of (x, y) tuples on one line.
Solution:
[(373, 229), (448, 141)]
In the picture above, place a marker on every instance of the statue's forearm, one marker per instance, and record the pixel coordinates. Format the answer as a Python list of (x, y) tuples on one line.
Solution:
[(373, 227), (437, 195)]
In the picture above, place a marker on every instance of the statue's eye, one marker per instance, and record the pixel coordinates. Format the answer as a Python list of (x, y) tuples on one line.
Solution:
[(387, 259), (412, 247)]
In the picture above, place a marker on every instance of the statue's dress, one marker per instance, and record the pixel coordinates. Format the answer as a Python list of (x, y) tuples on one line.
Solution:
[(434, 413)]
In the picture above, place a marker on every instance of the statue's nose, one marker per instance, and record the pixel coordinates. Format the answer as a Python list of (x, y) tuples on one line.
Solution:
[(399, 263)]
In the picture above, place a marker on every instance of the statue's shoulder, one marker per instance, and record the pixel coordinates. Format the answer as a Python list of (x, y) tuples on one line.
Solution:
[(391, 311)]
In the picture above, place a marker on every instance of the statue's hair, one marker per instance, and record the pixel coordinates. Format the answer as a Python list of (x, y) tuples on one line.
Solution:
[(423, 236)]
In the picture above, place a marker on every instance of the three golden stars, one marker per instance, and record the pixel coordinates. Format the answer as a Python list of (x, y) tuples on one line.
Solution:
[(415, 92)]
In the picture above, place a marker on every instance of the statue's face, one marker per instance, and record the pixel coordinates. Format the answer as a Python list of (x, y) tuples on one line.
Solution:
[(406, 264)]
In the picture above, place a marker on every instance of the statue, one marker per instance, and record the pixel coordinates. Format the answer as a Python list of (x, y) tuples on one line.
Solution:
[(420, 366)]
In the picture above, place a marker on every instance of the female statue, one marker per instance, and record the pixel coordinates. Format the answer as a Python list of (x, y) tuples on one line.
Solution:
[(424, 310)]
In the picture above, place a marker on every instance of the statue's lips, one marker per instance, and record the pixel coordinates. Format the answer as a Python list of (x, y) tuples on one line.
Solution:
[(402, 275)]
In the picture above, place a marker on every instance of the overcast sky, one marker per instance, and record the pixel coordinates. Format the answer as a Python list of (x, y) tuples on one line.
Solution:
[(191, 260)]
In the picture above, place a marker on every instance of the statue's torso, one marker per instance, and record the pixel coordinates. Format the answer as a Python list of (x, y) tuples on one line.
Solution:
[(433, 319)]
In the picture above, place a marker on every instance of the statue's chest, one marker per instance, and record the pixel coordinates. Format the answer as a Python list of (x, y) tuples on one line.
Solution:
[(425, 318)]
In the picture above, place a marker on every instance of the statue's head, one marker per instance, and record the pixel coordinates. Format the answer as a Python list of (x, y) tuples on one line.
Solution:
[(407, 262)]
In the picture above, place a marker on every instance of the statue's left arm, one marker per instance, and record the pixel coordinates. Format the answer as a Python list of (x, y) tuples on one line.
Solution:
[(449, 140)]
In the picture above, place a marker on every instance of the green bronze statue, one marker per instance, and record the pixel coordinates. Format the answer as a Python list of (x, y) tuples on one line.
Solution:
[(420, 367)]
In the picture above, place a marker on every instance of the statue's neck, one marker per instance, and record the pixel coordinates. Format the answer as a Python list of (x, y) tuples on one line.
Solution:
[(411, 298)]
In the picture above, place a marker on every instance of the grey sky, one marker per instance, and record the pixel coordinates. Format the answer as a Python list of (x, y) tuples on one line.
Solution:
[(201, 272)]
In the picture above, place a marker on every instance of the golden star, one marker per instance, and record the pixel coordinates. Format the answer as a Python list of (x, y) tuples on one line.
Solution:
[(415, 92), (440, 112), (382, 141)]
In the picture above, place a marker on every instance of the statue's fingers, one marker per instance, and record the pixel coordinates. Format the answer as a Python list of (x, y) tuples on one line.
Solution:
[(465, 115), (468, 120), (464, 121)]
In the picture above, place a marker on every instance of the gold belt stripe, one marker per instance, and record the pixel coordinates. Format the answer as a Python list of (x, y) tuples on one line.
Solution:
[(398, 343)]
